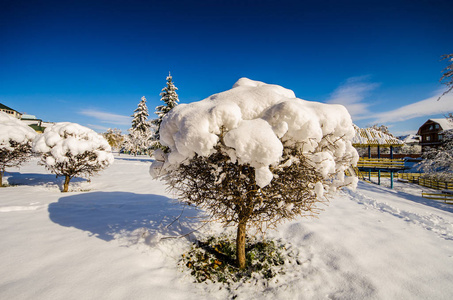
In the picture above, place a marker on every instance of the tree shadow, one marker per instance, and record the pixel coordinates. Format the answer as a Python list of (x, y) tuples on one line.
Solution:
[(132, 218), (410, 197), (147, 160), (38, 179)]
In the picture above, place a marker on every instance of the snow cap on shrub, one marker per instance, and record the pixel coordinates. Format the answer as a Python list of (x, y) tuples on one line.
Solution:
[(12, 129), (73, 139), (255, 118)]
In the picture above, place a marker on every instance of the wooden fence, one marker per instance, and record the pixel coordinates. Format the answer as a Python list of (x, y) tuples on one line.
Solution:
[(434, 184), (446, 198)]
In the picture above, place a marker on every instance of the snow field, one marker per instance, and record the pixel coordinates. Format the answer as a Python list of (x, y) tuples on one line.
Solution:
[(103, 240)]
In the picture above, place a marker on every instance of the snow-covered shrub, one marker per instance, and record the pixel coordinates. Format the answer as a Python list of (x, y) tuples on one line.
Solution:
[(114, 137), (255, 155), (16, 139), (70, 150)]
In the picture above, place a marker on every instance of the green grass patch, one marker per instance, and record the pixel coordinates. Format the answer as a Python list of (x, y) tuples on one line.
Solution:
[(214, 259)]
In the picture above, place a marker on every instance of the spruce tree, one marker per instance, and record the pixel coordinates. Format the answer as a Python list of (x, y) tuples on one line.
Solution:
[(140, 117), (170, 98), (141, 127)]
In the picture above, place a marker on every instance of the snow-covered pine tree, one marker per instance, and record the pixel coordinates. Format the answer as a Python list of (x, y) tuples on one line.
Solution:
[(140, 117), (170, 98), (140, 132)]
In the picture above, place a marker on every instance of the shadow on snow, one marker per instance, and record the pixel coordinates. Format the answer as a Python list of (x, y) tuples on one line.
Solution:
[(410, 197), (122, 215), (38, 179), (138, 159)]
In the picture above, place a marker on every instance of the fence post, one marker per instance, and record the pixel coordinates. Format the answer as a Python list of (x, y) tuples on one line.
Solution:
[(391, 179), (379, 177)]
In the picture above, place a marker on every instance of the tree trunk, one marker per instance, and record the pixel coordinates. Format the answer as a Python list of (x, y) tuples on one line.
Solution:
[(240, 244), (1, 177), (66, 183)]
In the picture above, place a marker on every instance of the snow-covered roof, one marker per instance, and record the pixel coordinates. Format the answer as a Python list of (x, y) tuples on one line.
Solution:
[(372, 137), (3, 106), (446, 124), (28, 117)]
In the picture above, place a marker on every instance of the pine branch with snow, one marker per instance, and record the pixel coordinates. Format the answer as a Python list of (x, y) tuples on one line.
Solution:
[(71, 150), (16, 139), (447, 75)]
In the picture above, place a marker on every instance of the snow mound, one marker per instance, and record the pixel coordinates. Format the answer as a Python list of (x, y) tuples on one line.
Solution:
[(255, 120), (63, 139), (12, 129)]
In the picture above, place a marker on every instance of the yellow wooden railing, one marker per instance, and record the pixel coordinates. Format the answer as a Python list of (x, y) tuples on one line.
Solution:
[(375, 174), (447, 198), (380, 163)]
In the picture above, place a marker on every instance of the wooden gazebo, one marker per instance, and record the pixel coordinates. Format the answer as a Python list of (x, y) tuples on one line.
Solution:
[(372, 138)]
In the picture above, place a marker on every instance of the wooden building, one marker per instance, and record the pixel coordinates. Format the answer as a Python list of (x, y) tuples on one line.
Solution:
[(10, 111), (431, 132)]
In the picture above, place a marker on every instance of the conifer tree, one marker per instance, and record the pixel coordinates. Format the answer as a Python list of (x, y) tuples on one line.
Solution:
[(141, 128), (140, 117), (170, 98)]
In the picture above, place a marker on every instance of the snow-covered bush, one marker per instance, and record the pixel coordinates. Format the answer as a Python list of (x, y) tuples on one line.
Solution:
[(255, 155), (70, 150), (16, 139), (114, 137)]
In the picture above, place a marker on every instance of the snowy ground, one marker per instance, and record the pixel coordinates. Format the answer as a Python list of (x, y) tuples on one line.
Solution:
[(102, 241)]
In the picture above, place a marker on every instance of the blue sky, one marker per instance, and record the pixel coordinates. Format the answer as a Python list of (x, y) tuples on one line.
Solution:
[(90, 62)]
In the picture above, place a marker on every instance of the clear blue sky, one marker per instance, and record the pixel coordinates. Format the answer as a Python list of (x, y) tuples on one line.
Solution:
[(91, 61)]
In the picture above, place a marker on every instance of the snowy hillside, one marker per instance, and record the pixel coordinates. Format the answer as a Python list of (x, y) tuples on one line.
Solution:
[(108, 240)]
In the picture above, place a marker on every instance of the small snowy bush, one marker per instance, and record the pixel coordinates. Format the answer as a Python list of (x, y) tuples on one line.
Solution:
[(16, 139), (255, 155), (70, 150), (114, 138)]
